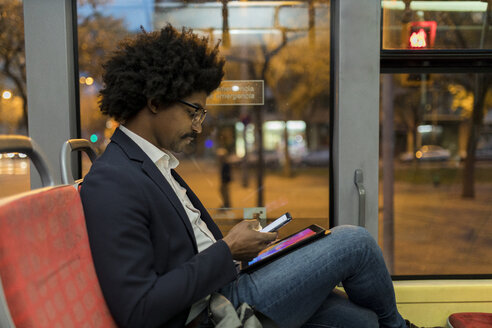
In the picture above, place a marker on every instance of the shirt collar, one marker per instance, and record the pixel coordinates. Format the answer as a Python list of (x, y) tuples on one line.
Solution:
[(155, 154)]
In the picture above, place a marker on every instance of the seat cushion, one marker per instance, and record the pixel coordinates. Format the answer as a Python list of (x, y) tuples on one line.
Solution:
[(470, 320), (45, 261)]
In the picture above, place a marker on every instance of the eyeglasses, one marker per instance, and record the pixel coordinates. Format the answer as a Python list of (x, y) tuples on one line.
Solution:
[(199, 115)]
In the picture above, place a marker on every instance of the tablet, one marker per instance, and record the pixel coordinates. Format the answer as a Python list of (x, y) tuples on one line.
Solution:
[(285, 246)]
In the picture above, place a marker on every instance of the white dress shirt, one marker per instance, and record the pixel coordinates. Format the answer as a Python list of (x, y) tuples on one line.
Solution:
[(165, 161)]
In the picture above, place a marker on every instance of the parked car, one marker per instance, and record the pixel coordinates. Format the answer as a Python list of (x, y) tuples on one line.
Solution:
[(270, 158), (482, 154), (427, 153), (432, 153), (316, 158)]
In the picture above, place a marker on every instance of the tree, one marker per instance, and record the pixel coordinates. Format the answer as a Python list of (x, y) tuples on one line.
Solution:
[(482, 84), (473, 84), (407, 106), (295, 69), (479, 85), (12, 51), (298, 78), (97, 35), (267, 48), (11, 113)]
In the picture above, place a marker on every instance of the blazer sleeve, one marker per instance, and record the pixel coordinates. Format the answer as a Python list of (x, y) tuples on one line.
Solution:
[(117, 209)]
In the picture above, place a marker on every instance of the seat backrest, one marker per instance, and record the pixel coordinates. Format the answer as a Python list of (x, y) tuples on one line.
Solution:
[(23, 144), (65, 158), (46, 265)]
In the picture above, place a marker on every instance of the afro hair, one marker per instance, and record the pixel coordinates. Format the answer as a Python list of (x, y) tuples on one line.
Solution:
[(162, 66)]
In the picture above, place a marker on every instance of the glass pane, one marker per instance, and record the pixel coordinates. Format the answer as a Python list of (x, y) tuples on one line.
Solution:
[(436, 24), (14, 168), (101, 24), (282, 44), (437, 158)]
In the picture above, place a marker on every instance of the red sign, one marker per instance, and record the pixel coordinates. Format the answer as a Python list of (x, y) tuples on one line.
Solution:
[(421, 34)]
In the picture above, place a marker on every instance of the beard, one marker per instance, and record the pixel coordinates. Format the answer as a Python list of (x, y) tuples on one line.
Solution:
[(184, 146), (192, 135), (190, 148)]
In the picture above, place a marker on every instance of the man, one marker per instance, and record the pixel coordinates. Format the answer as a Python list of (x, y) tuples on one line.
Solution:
[(157, 252)]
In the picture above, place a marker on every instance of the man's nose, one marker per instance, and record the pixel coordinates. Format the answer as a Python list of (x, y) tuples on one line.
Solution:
[(197, 127)]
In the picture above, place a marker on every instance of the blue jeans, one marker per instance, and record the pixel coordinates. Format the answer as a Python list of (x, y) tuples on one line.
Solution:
[(296, 289)]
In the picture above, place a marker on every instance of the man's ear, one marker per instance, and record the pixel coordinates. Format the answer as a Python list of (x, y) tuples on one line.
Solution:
[(152, 106)]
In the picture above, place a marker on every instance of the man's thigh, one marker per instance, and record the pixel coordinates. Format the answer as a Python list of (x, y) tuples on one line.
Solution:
[(292, 288)]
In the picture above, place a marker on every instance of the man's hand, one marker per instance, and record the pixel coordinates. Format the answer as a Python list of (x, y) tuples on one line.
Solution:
[(245, 242)]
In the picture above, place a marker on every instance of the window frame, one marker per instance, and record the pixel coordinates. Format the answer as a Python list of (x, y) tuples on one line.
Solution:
[(435, 61), (406, 61)]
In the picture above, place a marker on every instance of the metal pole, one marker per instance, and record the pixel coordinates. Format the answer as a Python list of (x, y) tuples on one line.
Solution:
[(388, 171), (260, 164)]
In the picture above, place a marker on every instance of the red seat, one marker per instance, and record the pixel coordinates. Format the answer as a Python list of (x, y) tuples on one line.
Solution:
[(470, 320), (46, 267)]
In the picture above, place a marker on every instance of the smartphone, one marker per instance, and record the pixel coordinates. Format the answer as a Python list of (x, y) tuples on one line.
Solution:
[(278, 223)]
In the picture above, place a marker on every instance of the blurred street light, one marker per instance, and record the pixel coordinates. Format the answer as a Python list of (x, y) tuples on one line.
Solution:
[(6, 95)]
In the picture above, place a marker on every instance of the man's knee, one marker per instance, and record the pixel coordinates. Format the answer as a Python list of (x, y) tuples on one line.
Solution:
[(357, 236), (354, 231)]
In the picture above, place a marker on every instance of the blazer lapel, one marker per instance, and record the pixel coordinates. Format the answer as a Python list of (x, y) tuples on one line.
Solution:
[(135, 153)]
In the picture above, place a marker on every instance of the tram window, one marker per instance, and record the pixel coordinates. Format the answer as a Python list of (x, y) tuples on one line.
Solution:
[(14, 169), (99, 28), (436, 24), (263, 42), (437, 142)]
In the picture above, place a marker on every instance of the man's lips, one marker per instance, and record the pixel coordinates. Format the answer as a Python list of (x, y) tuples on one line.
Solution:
[(192, 136)]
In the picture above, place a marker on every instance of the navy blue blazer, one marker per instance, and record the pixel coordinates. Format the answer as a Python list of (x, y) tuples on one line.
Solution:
[(142, 242)]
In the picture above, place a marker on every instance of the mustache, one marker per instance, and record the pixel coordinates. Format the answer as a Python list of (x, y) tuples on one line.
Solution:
[(190, 135)]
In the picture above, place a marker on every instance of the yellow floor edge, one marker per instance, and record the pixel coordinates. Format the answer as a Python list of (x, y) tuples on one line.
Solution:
[(428, 303)]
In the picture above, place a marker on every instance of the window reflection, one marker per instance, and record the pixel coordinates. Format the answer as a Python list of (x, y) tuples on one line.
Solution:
[(100, 27), (14, 167), (437, 158), (13, 94), (436, 24), (277, 151)]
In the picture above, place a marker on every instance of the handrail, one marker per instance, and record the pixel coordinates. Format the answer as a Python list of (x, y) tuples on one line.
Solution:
[(67, 148), (358, 180), (22, 144)]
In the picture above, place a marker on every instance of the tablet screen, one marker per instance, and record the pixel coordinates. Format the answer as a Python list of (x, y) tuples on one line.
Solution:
[(269, 251)]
